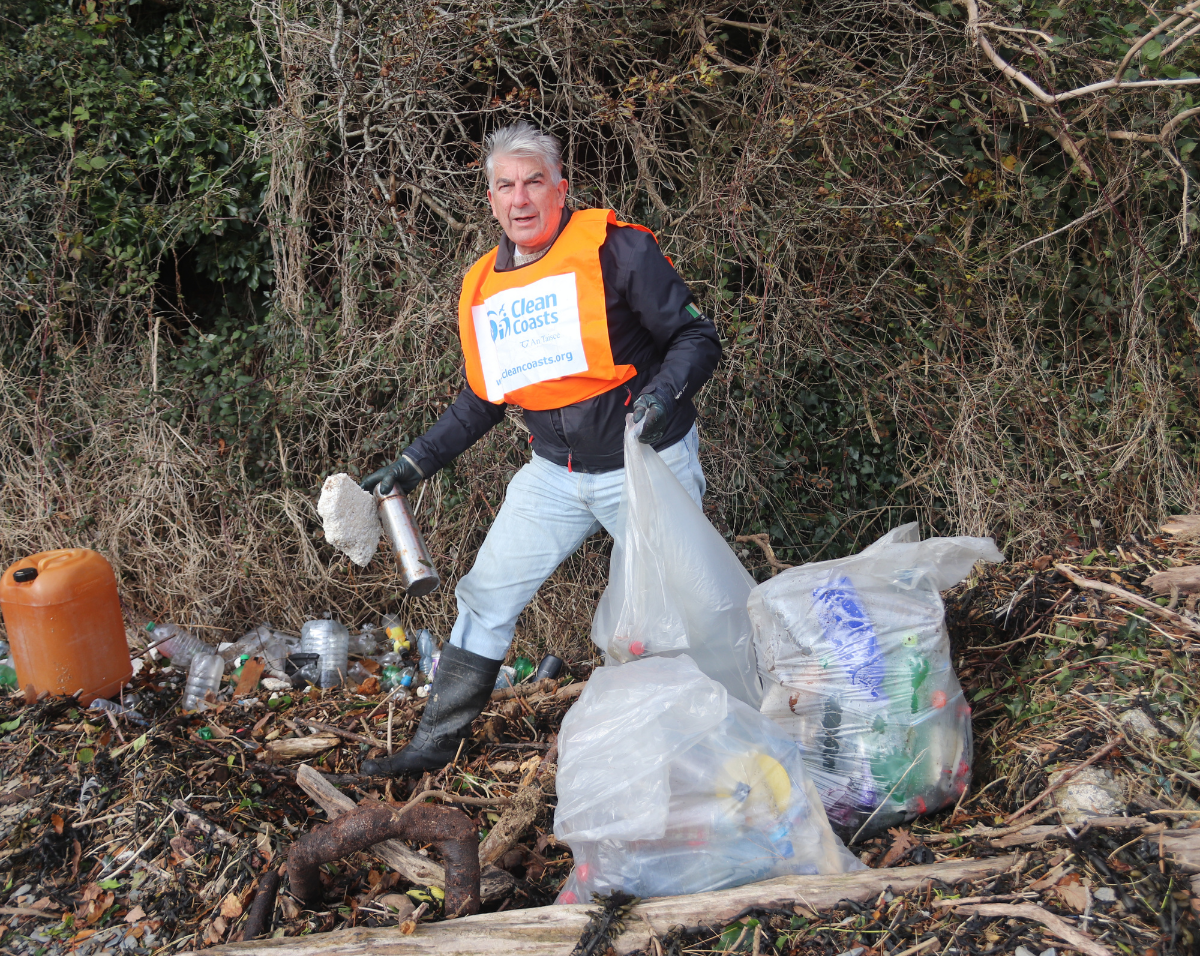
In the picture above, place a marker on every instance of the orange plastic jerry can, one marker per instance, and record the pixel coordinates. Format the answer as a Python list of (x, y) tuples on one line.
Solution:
[(64, 624)]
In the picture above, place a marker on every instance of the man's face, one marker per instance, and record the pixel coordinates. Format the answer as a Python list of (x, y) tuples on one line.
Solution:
[(527, 206)]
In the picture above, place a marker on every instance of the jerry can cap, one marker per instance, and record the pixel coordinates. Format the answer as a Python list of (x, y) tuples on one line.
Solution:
[(25, 575)]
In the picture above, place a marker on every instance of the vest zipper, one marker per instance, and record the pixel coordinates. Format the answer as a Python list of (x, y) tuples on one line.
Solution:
[(568, 461)]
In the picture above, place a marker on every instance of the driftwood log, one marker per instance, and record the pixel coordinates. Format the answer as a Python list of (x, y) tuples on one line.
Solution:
[(554, 930), (494, 883)]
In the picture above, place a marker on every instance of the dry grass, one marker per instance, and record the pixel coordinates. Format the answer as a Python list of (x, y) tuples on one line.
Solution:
[(805, 175)]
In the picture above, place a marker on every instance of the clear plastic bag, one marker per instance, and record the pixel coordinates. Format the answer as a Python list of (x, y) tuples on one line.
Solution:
[(859, 660), (668, 785), (674, 584)]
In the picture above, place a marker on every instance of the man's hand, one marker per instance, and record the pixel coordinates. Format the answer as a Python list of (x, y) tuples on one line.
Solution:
[(401, 475), (651, 408)]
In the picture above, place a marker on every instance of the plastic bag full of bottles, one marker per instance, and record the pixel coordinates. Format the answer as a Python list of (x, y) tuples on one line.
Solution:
[(861, 678)]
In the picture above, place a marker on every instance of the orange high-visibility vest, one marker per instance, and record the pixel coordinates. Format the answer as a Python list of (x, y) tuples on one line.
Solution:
[(538, 336)]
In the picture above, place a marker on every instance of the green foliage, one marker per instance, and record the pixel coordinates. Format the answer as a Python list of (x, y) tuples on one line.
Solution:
[(138, 120)]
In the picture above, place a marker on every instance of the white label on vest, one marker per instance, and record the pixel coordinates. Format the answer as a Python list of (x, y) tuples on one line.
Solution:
[(529, 335)]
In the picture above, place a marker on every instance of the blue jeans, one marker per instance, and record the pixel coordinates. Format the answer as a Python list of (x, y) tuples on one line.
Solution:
[(547, 513)]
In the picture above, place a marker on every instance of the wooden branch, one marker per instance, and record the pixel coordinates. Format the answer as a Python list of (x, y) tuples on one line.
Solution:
[(1070, 147), (493, 884), (1146, 38), (1168, 131), (553, 930), (764, 542), (546, 686), (211, 830), (330, 728), (1124, 595), (1180, 40), (975, 36), (526, 806), (1186, 579), (1056, 924)]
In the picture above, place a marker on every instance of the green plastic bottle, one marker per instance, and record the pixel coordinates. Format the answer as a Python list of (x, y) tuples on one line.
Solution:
[(523, 667), (902, 741), (8, 676)]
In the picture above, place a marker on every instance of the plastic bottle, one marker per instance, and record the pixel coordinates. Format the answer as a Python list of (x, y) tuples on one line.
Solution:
[(848, 629), (428, 652), (8, 676), (398, 677), (117, 710), (357, 673), (204, 675), (364, 643), (178, 644), (506, 678), (330, 639), (523, 667)]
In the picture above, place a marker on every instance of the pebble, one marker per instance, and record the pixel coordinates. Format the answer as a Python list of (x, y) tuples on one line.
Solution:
[(1136, 722)]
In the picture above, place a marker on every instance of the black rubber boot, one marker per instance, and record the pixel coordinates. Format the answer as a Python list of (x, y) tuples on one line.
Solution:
[(462, 686)]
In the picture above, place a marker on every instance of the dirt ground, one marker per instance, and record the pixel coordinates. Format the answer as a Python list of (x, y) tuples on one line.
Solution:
[(153, 838)]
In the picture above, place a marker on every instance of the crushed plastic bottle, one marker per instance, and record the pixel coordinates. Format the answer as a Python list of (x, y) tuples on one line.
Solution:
[(357, 673), (204, 675), (429, 653), (117, 710), (394, 677), (364, 643), (177, 644)]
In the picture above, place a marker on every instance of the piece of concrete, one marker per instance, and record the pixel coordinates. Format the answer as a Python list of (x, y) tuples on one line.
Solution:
[(351, 522), (1092, 792)]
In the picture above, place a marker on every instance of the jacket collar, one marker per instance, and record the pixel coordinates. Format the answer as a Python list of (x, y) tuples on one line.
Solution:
[(506, 249)]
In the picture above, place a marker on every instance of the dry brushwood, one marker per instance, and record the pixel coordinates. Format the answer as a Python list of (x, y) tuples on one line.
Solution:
[(879, 221)]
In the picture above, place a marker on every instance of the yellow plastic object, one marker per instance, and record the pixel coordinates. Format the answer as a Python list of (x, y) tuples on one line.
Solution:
[(398, 638), (64, 624), (754, 784)]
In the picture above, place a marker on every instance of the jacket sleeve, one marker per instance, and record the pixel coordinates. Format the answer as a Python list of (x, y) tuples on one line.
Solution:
[(666, 308), (466, 421)]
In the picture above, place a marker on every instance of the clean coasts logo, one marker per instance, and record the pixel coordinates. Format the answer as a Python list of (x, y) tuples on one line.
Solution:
[(528, 335), (527, 315)]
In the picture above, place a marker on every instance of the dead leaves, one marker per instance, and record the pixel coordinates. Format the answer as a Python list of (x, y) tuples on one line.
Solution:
[(231, 906), (902, 843), (215, 932), (96, 903)]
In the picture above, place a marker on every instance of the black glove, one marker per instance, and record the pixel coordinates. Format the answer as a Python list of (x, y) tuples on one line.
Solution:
[(654, 410), (401, 475)]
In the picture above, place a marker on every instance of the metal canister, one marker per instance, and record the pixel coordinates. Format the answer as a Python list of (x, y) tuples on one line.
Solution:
[(417, 572)]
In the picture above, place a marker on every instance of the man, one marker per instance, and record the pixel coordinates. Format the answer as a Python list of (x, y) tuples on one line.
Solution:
[(579, 319)]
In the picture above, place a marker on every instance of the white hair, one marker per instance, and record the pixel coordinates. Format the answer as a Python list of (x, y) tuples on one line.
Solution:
[(523, 139)]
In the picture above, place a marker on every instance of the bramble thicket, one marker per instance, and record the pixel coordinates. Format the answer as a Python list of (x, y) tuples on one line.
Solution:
[(950, 248)]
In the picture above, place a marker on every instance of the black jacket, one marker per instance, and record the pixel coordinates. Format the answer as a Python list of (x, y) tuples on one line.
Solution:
[(653, 325)]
